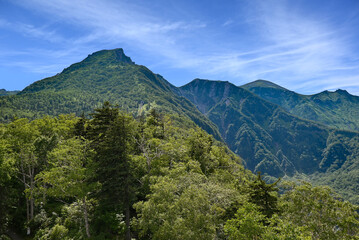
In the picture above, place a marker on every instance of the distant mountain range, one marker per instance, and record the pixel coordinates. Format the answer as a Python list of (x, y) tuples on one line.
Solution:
[(337, 109), (274, 130)]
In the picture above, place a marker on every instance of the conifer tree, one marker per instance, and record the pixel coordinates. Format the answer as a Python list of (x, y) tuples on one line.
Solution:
[(264, 195), (111, 135)]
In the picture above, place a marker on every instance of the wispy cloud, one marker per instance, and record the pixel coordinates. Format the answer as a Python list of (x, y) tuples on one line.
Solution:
[(227, 23), (32, 31), (115, 22)]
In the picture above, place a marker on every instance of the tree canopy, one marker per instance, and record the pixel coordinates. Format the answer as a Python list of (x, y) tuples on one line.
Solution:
[(113, 176)]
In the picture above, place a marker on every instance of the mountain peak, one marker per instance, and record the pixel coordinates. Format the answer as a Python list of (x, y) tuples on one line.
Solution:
[(341, 91), (338, 92), (115, 55), (103, 58), (199, 81), (262, 83)]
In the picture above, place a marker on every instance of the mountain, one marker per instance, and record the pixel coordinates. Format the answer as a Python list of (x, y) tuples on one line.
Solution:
[(258, 128), (273, 141), (337, 109), (3, 92), (107, 75)]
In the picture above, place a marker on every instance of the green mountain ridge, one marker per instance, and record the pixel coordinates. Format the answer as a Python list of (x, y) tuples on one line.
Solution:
[(337, 109)]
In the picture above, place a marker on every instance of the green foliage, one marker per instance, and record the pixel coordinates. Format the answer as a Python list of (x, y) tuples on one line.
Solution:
[(59, 226), (91, 177), (306, 212), (188, 192), (200, 148), (184, 204), (320, 212), (7, 183), (175, 213), (247, 224), (67, 176), (66, 173)]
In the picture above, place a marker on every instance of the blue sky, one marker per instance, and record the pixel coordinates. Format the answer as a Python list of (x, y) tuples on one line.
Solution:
[(304, 45)]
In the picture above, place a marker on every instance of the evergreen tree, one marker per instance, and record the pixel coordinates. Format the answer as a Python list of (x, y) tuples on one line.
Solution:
[(264, 195), (111, 135)]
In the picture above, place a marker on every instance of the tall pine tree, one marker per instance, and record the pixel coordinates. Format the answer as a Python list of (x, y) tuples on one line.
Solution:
[(111, 133)]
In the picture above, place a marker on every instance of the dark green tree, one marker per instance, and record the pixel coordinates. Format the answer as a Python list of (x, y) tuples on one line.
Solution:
[(264, 195), (101, 122), (80, 126), (111, 135)]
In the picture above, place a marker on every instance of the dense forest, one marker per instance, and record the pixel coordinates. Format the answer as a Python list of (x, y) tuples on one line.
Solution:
[(115, 176)]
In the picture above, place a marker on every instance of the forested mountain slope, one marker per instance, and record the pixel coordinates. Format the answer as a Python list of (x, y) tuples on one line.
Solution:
[(265, 135), (145, 170), (271, 140), (337, 109), (107, 75)]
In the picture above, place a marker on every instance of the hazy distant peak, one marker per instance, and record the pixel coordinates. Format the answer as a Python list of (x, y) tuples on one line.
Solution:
[(199, 81), (341, 91), (262, 83)]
